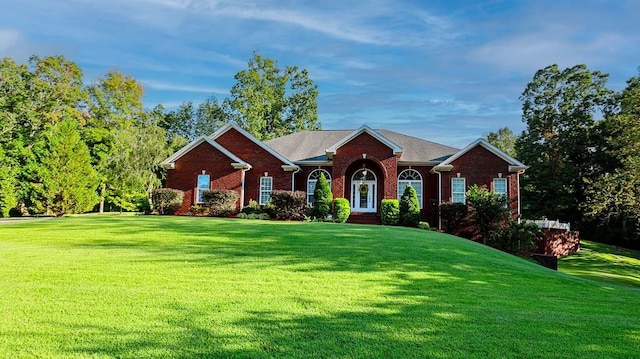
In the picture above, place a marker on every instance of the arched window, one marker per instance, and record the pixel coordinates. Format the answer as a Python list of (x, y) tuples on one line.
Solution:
[(313, 179), (410, 177)]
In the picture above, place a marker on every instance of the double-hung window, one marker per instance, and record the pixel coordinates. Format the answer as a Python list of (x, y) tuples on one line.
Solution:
[(203, 184), (410, 177), (266, 186), (500, 186), (458, 190)]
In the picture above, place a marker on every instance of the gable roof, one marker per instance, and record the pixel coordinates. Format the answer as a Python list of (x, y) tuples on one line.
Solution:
[(288, 165), (514, 165), (397, 150), (171, 160), (310, 147)]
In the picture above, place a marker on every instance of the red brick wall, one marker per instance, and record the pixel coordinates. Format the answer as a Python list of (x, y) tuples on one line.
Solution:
[(203, 157), (260, 160), (379, 158), (480, 166), (559, 242)]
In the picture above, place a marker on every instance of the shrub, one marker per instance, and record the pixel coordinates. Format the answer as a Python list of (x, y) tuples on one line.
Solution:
[(252, 207), (516, 238), (166, 200), (289, 205), (424, 225), (390, 211), (198, 210), (452, 215), (322, 198), (220, 203), (260, 216), (409, 208), (488, 210), (341, 210)]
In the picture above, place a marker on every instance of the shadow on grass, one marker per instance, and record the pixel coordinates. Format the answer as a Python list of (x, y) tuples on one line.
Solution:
[(441, 297)]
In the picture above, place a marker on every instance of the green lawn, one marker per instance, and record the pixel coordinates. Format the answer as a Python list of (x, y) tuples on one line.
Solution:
[(604, 263), (179, 287)]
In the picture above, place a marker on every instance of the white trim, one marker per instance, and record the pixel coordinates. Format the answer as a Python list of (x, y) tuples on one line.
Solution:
[(464, 193), (372, 185), (170, 162), (260, 191), (420, 195), (514, 165), (397, 150), (311, 190), (288, 165)]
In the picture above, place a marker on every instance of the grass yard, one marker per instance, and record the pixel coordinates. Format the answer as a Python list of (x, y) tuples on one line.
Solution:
[(179, 287), (604, 263)]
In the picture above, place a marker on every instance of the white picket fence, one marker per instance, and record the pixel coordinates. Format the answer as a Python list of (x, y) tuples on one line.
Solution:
[(545, 223)]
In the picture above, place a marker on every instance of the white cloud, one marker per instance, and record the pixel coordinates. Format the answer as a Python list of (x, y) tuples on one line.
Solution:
[(166, 86)]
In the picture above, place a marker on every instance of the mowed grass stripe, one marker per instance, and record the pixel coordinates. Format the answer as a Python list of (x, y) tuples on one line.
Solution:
[(175, 287)]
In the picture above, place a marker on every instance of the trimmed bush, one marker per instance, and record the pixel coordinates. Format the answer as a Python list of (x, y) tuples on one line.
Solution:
[(390, 211), (452, 216), (252, 208), (424, 225), (166, 200), (289, 205), (517, 238), (488, 210), (220, 203), (341, 210), (409, 208), (198, 210), (322, 198)]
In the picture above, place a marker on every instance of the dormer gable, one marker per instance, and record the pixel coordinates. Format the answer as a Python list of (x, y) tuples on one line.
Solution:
[(236, 162), (287, 165), (514, 164), (397, 150)]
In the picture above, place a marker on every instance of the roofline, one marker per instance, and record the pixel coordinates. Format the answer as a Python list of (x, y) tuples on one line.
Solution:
[(397, 150), (169, 162), (418, 163), (513, 163), (314, 163), (264, 146)]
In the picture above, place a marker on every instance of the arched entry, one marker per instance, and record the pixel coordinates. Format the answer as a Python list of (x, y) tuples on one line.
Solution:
[(364, 191)]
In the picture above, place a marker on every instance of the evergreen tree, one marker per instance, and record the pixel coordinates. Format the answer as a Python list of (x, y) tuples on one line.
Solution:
[(65, 181), (323, 197), (409, 208)]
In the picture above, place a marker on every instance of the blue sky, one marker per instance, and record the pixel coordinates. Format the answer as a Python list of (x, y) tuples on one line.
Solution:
[(448, 71)]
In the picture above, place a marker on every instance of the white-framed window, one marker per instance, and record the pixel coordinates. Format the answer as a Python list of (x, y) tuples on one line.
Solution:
[(266, 186), (313, 179), (410, 177), (203, 184), (458, 190), (500, 186)]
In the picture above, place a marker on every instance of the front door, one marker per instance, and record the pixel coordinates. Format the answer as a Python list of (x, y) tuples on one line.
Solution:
[(363, 191)]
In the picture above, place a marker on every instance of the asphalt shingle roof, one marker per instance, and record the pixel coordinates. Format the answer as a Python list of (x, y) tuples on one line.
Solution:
[(311, 145)]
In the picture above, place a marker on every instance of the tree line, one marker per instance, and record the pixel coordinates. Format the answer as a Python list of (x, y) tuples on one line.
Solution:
[(66, 147), (582, 143)]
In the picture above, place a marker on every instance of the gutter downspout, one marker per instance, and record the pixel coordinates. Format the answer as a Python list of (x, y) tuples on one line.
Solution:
[(519, 198), (293, 179), (439, 199), (244, 170)]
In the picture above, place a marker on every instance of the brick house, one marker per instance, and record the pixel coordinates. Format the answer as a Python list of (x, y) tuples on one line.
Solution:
[(363, 166)]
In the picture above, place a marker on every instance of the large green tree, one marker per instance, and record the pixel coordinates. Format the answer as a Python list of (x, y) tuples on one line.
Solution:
[(559, 108), (127, 142), (270, 102), (504, 139), (613, 199), (190, 122), (64, 182)]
